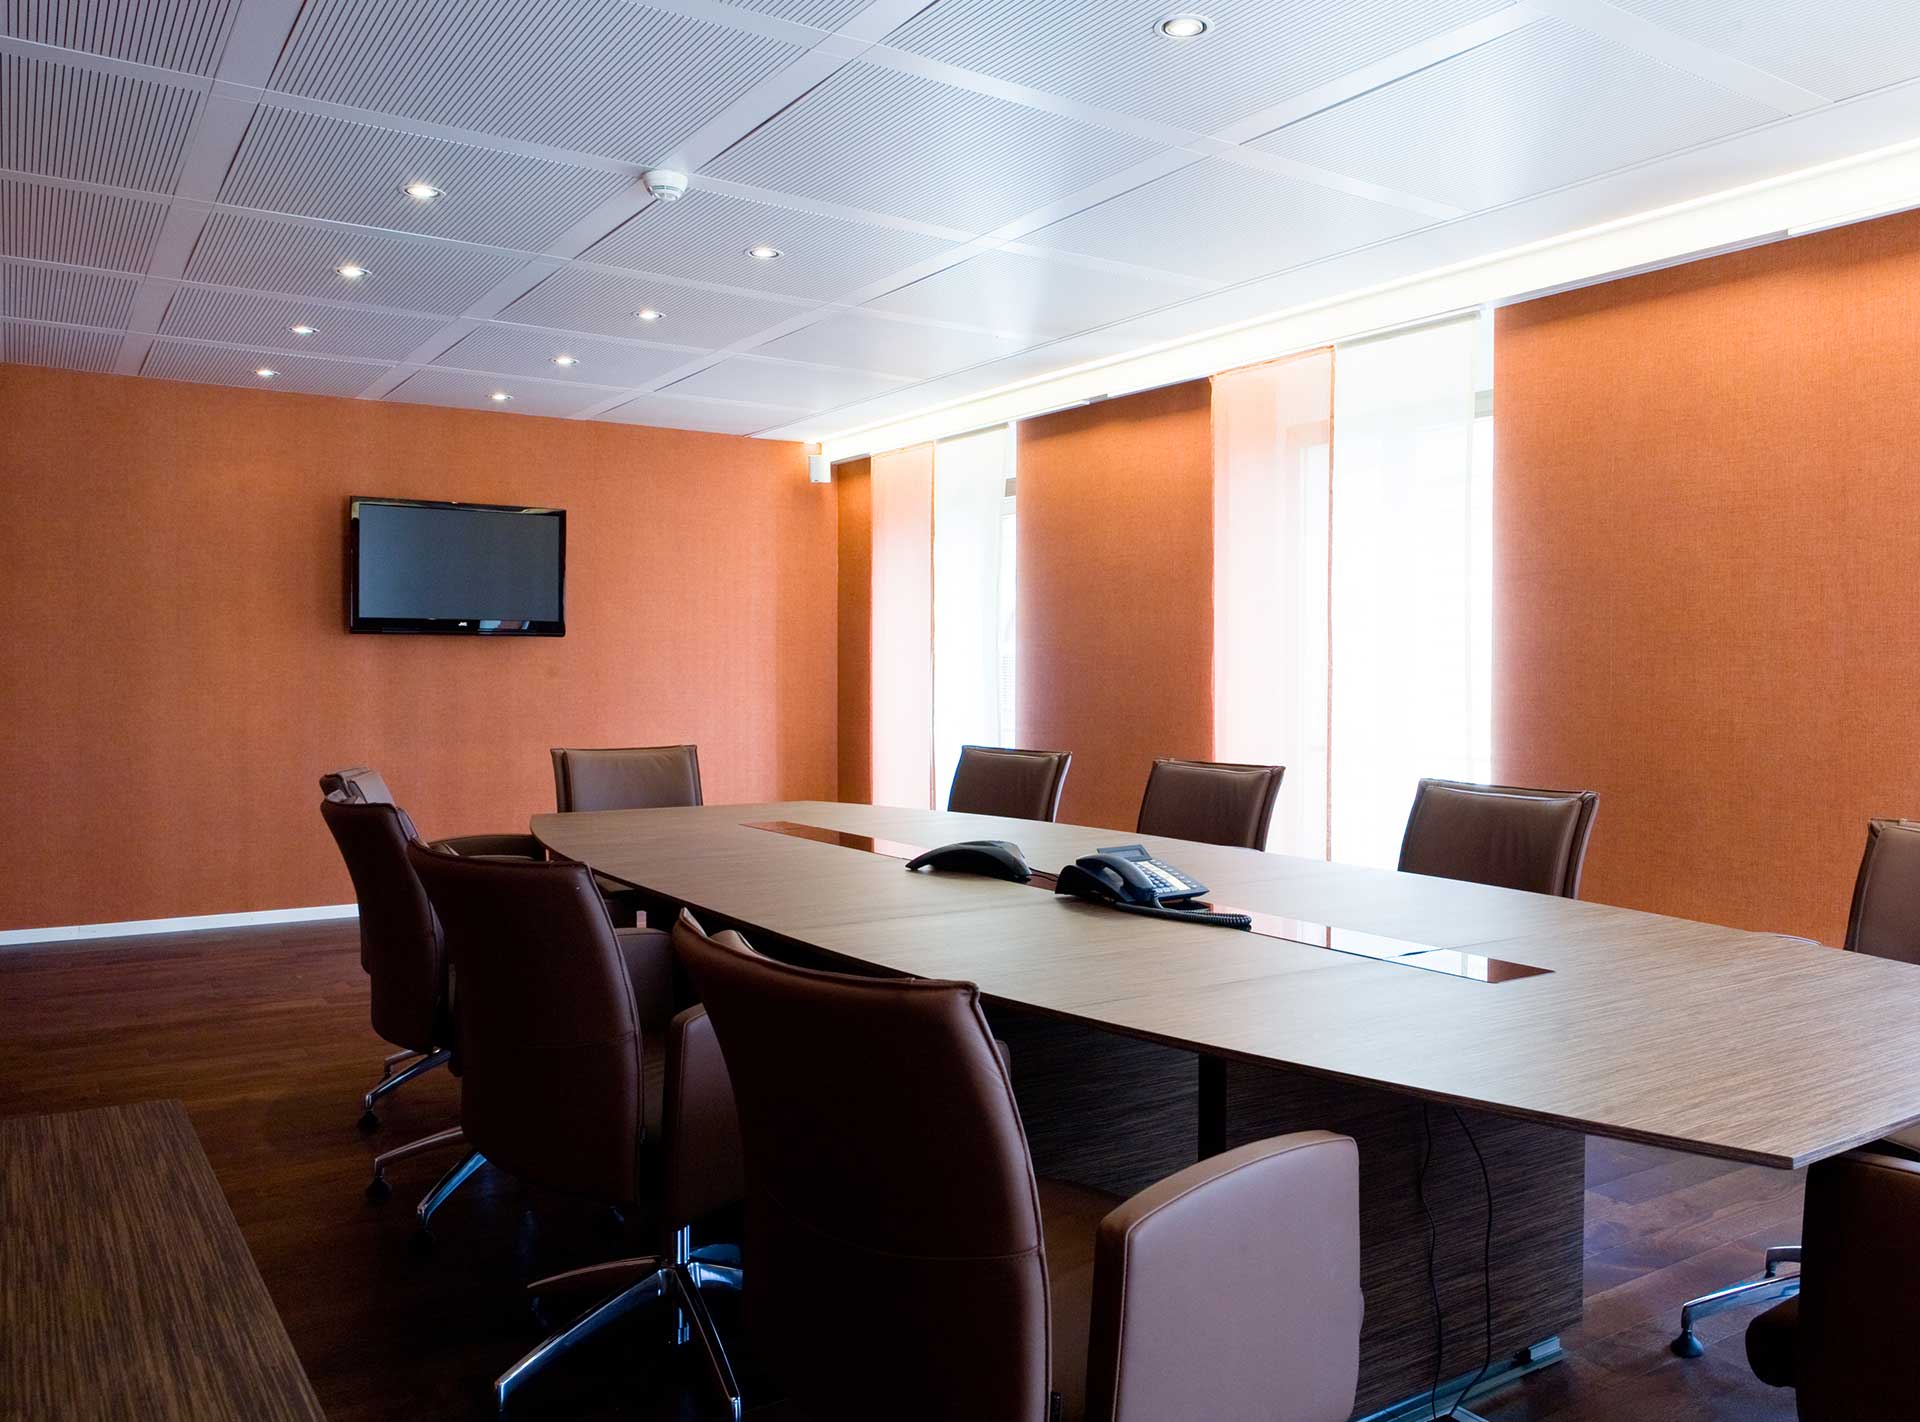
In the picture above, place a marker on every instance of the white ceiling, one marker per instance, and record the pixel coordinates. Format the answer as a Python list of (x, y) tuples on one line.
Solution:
[(965, 192)]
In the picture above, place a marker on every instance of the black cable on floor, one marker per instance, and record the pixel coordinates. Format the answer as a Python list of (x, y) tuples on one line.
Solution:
[(1486, 1267)]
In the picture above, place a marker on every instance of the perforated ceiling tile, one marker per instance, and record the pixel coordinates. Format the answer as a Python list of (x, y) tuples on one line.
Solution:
[(468, 391), (1110, 53), (821, 14), (904, 348), (54, 294), (71, 225), (263, 254), (222, 365), (1227, 222), (63, 122), (715, 416), (530, 351), (65, 347), (1834, 47), (772, 382), (581, 300), (705, 237), (1012, 292), (354, 172), (596, 76), (1535, 109), (266, 322), (896, 143), (169, 34)]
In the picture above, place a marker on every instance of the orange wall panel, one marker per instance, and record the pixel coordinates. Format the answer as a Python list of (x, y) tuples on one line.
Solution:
[(178, 670), (1707, 520), (1115, 600)]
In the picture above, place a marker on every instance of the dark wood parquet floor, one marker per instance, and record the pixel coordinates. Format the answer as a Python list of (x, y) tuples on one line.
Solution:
[(263, 1034)]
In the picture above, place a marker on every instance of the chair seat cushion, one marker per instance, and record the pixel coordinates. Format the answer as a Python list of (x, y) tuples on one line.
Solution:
[(1070, 1216), (1771, 1341)]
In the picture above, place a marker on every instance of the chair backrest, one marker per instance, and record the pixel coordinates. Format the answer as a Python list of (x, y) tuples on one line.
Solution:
[(1211, 801), (549, 1033), (894, 1257), (400, 940), (627, 778), (1505, 835), (1885, 920), (357, 785), (1017, 784)]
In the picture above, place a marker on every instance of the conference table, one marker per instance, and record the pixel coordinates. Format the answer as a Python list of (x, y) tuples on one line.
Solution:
[(1439, 1023)]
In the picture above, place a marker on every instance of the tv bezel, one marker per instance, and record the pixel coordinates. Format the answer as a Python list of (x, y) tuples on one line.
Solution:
[(448, 626)]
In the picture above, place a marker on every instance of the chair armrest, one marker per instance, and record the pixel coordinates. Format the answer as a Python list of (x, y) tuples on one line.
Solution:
[(705, 1165), (510, 846), (1229, 1284), (1860, 1247)]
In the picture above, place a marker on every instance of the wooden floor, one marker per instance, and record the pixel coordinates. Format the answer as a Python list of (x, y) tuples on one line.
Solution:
[(263, 1034)]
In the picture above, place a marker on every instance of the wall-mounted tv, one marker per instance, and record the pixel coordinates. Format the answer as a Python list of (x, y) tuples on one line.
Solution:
[(479, 570)]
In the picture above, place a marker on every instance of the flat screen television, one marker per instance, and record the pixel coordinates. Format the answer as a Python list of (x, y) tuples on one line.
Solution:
[(478, 570)]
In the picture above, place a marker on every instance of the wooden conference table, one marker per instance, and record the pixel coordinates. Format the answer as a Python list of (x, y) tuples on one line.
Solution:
[(1711, 1040)]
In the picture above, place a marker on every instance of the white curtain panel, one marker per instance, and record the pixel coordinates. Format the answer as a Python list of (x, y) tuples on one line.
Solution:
[(972, 596)]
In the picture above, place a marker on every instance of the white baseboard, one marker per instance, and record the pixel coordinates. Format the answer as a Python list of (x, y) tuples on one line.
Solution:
[(135, 928)]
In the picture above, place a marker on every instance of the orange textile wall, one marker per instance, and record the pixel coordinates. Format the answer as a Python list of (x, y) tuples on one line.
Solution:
[(1707, 519), (178, 671), (1115, 606)]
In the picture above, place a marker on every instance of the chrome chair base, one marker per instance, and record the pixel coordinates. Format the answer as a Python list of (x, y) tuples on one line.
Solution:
[(439, 1195), (378, 1189), (1770, 1287), (390, 1083), (641, 1281)]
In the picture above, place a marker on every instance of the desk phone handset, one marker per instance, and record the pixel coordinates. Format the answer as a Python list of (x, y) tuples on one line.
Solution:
[(1127, 877)]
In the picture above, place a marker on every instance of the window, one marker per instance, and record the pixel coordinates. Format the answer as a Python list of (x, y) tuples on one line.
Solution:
[(1353, 528), (973, 597)]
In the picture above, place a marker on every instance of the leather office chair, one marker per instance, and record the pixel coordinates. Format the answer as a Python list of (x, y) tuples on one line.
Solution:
[(1015, 784), (400, 944), (576, 1075), (1845, 1343), (903, 1261), (1211, 801), (627, 778), (1884, 922), (1504, 835)]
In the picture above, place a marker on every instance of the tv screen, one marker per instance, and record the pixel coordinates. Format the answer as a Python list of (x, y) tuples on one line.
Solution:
[(486, 570)]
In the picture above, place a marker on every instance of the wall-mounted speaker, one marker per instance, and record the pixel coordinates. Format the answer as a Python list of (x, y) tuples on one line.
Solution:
[(819, 470)]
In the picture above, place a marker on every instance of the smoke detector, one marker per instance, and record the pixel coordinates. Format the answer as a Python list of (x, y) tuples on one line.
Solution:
[(665, 184)]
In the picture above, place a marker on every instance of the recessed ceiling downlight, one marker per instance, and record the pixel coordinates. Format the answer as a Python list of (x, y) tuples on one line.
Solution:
[(764, 252), (647, 313), (499, 397), (302, 330), (266, 372), (421, 192), (566, 360), (1184, 26), (352, 271)]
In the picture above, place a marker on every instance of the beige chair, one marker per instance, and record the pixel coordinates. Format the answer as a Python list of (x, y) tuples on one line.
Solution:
[(1504, 835), (1211, 801), (1014, 784), (1884, 922), (903, 1261)]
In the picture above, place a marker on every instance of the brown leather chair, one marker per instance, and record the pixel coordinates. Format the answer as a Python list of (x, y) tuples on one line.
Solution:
[(1845, 1343), (1212, 801), (903, 1261), (628, 778), (568, 1044), (1884, 922), (1015, 784), (400, 945), (1504, 835)]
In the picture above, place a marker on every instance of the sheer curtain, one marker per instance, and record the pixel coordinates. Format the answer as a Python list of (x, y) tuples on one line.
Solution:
[(902, 647), (973, 595), (1271, 430), (1411, 629)]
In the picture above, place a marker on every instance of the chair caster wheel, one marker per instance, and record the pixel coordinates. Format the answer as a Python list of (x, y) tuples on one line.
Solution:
[(421, 1243), (1686, 1346), (369, 1123), (378, 1189)]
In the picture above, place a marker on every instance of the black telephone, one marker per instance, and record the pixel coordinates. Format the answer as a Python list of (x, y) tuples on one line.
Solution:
[(1127, 877), (996, 858)]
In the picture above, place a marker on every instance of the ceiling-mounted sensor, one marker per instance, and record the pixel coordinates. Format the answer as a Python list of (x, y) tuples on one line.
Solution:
[(665, 184)]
